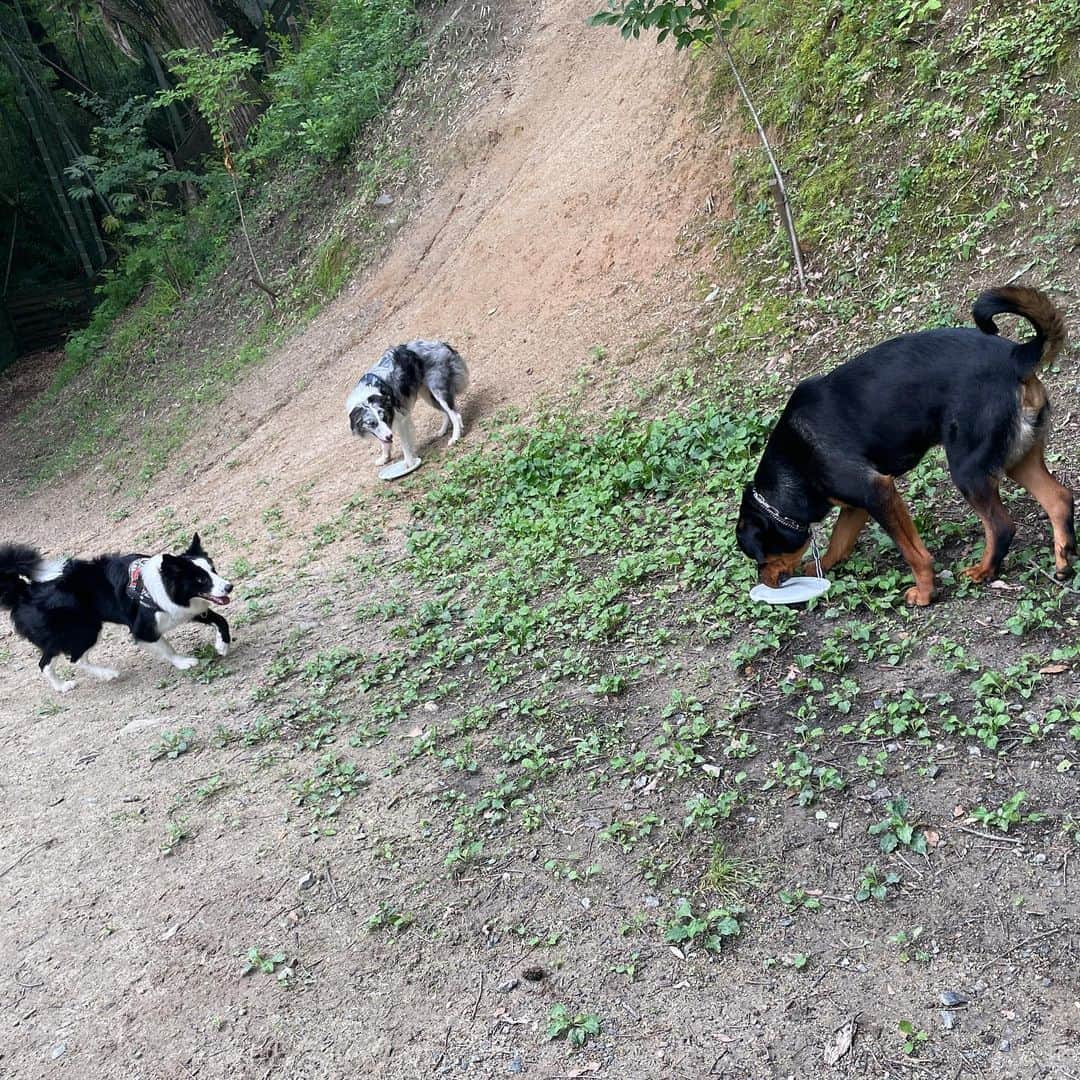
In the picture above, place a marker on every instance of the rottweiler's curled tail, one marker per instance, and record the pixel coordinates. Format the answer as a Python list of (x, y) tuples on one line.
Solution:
[(845, 436)]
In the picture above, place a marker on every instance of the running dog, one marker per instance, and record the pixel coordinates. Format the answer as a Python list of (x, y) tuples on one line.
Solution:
[(61, 606), (382, 400), (843, 438)]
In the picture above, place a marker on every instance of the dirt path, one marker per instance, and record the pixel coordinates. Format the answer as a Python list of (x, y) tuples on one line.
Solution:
[(553, 235)]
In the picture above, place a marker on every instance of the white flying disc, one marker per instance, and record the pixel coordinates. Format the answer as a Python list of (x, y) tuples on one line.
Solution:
[(796, 590), (397, 469)]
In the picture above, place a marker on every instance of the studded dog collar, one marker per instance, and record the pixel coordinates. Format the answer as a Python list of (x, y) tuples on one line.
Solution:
[(780, 519)]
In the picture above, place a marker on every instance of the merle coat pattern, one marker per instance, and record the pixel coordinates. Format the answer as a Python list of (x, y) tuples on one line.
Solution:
[(380, 403), (61, 607)]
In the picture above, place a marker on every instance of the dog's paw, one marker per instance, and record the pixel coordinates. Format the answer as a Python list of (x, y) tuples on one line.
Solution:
[(453, 439), (108, 674), (917, 597), (183, 663), (65, 687), (221, 647), (978, 573)]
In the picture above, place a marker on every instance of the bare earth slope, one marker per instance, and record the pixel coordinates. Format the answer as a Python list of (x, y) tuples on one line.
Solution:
[(553, 234)]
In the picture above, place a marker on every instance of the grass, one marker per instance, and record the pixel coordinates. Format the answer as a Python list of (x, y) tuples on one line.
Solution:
[(564, 684)]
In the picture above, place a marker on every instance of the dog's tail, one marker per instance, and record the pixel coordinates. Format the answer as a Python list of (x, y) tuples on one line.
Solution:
[(1032, 305), (459, 370), (18, 566)]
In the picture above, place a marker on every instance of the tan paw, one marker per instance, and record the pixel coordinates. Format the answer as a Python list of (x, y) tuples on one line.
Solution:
[(918, 597)]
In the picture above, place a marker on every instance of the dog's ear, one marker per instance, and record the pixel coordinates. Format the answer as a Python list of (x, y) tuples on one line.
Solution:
[(195, 548), (172, 566), (355, 420)]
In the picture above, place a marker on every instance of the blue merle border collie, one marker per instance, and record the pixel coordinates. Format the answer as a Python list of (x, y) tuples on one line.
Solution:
[(380, 403), (61, 606)]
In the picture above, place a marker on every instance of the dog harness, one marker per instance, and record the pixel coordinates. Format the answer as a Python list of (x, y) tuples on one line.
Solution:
[(136, 587)]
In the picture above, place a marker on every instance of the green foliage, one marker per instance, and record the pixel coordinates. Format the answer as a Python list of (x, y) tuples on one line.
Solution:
[(218, 82), (389, 917), (895, 829), (270, 963), (173, 743), (576, 1029), (123, 166), (937, 134), (1007, 814), (913, 1037), (873, 885), (694, 23), (796, 899), (708, 929), (351, 54)]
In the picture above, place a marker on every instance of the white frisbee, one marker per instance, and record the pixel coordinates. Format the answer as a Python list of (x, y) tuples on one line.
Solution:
[(796, 590), (397, 469)]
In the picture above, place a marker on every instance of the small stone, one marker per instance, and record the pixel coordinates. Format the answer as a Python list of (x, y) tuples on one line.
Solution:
[(58, 1051), (950, 999), (651, 902), (430, 706), (979, 987), (306, 881), (948, 1019), (1039, 858), (516, 1065), (1004, 1046), (385, 199), (506, 987), (974, 751)]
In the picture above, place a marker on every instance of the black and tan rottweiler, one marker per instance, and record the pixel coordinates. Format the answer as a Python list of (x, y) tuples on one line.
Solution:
[(844, 437)]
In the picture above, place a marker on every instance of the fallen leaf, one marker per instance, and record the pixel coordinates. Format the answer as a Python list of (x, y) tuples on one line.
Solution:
[(841, 1043), (1004, 586), (958, 811), (1053, 669), (933, 838)]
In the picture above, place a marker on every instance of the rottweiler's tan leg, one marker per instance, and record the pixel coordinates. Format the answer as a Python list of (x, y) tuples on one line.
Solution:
[(998, 526), (1031, 473), (891, 513), (845, 532)]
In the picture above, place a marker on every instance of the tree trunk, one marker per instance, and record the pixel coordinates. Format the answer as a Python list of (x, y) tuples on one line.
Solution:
[(171, 111), (26, 106), (61, 149), (171, 24)]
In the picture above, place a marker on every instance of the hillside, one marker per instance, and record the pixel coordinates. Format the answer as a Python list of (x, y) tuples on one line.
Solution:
[(504, 759)]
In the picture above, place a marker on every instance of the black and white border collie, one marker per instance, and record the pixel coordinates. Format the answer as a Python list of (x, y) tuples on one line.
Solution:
[(61, 606), (381, 401)]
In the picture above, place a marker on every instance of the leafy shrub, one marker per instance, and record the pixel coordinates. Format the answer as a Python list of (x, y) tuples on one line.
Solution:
[(345, 69)]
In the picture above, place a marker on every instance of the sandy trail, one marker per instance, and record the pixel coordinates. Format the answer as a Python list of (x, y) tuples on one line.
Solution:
[(555, 232)]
